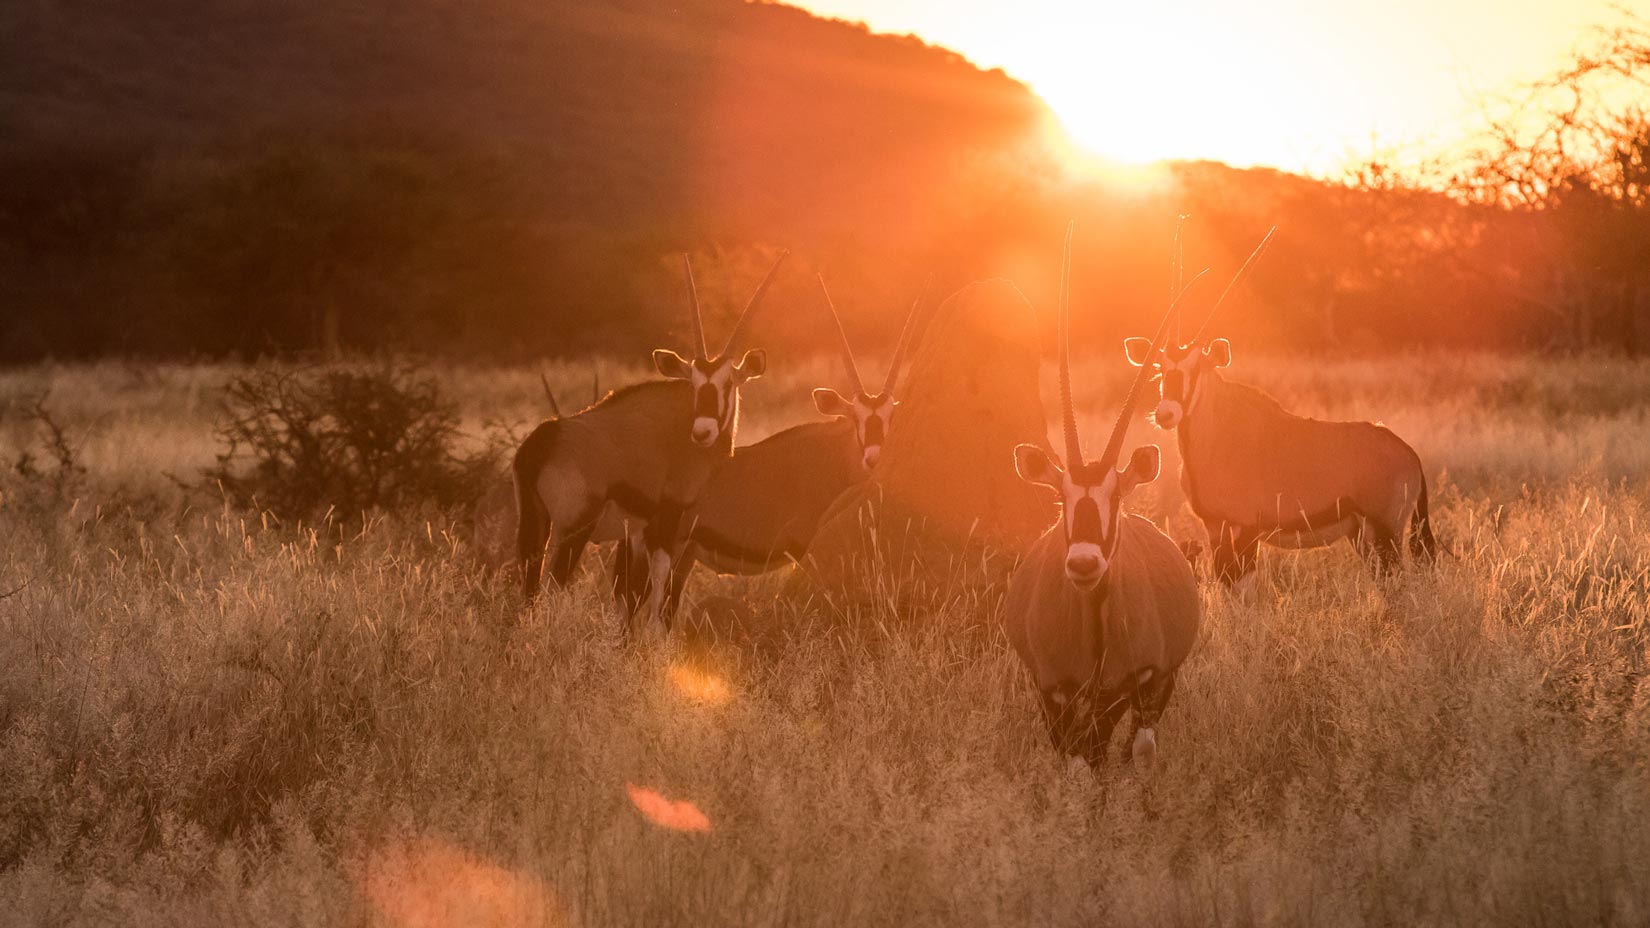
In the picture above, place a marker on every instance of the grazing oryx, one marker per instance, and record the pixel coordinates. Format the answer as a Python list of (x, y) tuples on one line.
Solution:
[(646, 449), (1253, 472), (1103, 608), (760, 509)]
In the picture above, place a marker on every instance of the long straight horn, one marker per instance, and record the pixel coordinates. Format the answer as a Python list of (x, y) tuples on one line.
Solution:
[(1177, 268), (756, 298), (1235, 278), (905, 338), (842, 338), (1068, 414), (693, 299), (555, 410), (1114, 445)]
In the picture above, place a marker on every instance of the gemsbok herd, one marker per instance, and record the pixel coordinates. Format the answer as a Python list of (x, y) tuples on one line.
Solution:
[(1102, 609)]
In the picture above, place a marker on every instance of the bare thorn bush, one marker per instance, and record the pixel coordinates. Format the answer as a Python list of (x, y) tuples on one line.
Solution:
[(301, 442)]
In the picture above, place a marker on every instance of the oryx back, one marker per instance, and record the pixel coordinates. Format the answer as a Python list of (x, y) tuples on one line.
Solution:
[(760, 509)]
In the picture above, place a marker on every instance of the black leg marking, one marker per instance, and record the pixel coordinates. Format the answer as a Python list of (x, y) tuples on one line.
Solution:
[(629, 578), (1105, 712), (1080, 723), (681, 567), (532, 534)]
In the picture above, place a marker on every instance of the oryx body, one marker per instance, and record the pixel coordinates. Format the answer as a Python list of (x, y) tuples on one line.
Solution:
[(645, 452), (760, 509), (1256, 473), (1103, 609)]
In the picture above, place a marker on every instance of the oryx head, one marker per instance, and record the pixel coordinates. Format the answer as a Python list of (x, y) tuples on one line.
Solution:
[(715, 378), (1178, 370), (1180, 367), (871, 413), (1091, 492)]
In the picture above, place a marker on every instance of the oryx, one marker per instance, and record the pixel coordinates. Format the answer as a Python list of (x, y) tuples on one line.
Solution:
[(760, 509), (646, 449), (1103, 608), (1255, 473)]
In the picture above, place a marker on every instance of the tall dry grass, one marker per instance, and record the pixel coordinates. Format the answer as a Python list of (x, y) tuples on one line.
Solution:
[(208, 718)]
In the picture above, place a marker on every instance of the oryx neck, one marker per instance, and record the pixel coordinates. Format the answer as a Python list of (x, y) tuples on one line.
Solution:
[(1200, 407), (1096, 609)]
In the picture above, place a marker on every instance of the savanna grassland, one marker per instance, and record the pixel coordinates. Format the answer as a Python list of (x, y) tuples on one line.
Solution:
[(210, 716)]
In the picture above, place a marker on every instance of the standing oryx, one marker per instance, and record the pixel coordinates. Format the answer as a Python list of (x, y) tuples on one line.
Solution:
[(1103, 608), (1253, 472), (646, 449), (760, 509)]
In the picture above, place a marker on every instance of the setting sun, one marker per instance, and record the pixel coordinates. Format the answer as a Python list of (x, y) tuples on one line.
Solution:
[(1281, 83)]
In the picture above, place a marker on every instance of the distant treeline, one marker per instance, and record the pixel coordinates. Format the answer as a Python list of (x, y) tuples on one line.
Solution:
[(515, 178)]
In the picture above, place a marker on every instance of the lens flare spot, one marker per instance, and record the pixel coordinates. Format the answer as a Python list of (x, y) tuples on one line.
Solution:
[(677, 815), (697, 685), (425, 883)]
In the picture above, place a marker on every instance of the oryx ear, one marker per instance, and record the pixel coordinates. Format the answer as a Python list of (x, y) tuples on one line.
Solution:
[(1033, 465), (1139, 350), (830, 403), (753, 365), (1220, 352), (1143, 467), (671, 364)]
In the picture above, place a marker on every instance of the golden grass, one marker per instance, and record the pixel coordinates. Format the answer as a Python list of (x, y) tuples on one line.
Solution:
[(205, 719)]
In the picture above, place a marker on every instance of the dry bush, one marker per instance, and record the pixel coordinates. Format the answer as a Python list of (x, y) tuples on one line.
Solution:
[(298, 443), (45, 465)]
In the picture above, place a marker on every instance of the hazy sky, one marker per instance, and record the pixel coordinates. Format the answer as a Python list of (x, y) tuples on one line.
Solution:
[(1297, 84)]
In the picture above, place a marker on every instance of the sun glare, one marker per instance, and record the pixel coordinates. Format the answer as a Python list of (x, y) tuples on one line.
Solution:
[(699, 686), (1283, 83), (1147, 83), (426, 883), (675, 815)]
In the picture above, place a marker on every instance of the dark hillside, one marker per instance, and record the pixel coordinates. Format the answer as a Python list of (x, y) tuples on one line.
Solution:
[(445, 170)]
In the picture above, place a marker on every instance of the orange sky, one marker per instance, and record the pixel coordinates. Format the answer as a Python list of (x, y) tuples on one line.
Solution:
[(1296, 84)]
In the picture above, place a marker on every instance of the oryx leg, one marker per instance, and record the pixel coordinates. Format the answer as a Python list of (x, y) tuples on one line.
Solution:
[(1379, 545), (567, 547), (1061, 714), (565, 537), (681, 567), (629, 575), (532, 534), (1148, 701), (1233, 553), (1105, 711), (661, 542)]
